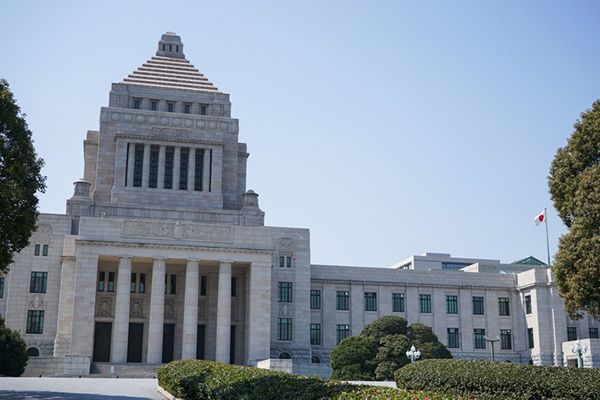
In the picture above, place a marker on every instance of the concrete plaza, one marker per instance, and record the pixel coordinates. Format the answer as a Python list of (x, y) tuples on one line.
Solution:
[(78, 389)]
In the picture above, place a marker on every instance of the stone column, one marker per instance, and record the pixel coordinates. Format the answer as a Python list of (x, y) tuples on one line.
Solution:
[(121, 324), (206, 172), (176, 167), (190, 310), (258, 320), (223, 313), (62, 341), (84, 304), (191, 169), (161, 167), (146, 166), (130, 160), (157, 309)]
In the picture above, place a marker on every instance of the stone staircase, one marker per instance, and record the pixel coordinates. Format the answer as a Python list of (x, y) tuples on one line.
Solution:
[(108, 370)]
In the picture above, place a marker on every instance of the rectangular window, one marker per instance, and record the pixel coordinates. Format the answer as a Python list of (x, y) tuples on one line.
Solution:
[(45, 250), (136, 104), (530, 341), (37, 283), (315, 334), (425, 303), (453, 338), (281, 261), (203, 285), (142, 284), (169, 156), (233, 286), (288, 262), (1, 287), (503, 306), (170, 107), (111, 282), (199, 170), (133, 283), (186, 108), (138, 165), (343, 331), (451, 304), (285, 292), (35, 321), (478, 305), (183, 168), (398, 302), (453, 266), (528, 304), (153, 171), (315, 299), (203, 109), (571, 333), (593, 331), (101, 277), (505, 339), (36, 250), (370, 301), (154, 105), (342, 302), (284, 329), (479, 338), (173, 284)]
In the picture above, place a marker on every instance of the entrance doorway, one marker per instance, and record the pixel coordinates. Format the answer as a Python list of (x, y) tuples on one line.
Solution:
[(102, 335), (134, 343), (168, 342), (200, 342)]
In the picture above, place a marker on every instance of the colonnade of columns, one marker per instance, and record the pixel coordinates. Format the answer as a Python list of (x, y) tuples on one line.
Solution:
[(156, 312), (161, 170)]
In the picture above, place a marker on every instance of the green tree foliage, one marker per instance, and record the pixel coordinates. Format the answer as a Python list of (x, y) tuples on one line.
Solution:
[(381, 349), (13, 355), (354, 358), (20, 179), (574, 184)]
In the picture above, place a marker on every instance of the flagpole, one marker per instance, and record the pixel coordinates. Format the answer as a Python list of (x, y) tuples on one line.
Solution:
[(547, 239)]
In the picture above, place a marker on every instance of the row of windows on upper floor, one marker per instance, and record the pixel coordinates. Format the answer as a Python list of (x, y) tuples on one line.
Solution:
[(398, 303), (106, 282), (170, 106)]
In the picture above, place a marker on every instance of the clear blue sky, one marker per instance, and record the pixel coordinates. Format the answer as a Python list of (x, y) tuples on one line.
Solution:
[(387, 128)]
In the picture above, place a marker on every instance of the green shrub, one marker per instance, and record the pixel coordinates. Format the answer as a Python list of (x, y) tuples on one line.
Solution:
[(13, 355), (354, 358), (384, 326), (487, 380), (207, 380)]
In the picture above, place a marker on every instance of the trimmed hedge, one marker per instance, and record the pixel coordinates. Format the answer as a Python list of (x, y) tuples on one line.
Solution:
[(487, 380), (207, 380)]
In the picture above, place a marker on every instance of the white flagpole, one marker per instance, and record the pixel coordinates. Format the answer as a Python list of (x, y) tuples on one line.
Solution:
[(547, 239)]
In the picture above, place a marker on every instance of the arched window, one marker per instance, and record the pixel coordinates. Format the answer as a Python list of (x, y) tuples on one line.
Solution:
[(285, 356), (33, 352), (315, 360)]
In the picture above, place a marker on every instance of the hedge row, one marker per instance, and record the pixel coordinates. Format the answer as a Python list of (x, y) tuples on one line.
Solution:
[(206, 380), (487, 380)]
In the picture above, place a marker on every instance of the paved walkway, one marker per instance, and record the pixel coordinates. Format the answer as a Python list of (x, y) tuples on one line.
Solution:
[(78, 389)]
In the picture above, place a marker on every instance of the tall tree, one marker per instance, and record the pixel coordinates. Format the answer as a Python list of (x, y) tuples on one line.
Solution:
[(20, 179), (574, 184)]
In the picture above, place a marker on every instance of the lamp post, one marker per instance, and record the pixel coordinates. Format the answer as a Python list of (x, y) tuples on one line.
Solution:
[(413, 354), (492, 341), (579, 349)]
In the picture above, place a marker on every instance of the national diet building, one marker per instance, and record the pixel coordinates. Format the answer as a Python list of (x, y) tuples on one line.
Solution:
[(163, 254)]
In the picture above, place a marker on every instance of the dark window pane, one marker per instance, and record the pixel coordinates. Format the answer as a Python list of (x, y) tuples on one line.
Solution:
[(451, 304), (1, 287), (133, 283), (478, 305), (186, 108), (111, 282), (199, 170), (315, 299), (505, 339), (233, 286), (453, 338), (101, 277), (203, 285), (571, 333), (284, 292), (398, 302), (142, 284), (183, 168), (503, 306), (45, 250), (35, 321), (203, 109), (530, 338), (479, 338), (593, 332), (288, 262), (136, 104), (173, 284), (36, 250), (37, 283), (138, 165), (425, 303), (315, 334), (342, 302), (284, 331), (528, 304), (169, 155), (370, 301), (281, 262), (342, 331), (154, 106), (153, 172), (170, 107)]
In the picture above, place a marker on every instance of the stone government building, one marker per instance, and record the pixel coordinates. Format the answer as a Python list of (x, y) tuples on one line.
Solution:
[(163, 254)]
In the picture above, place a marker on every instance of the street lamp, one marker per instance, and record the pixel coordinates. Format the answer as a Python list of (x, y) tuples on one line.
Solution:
[(413, 354), (578, 349), (492, 341)]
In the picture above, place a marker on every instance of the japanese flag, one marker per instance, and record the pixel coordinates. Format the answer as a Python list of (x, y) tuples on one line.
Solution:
[(541, 217)]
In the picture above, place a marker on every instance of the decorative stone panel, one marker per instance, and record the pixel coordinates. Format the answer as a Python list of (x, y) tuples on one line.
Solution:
[(177, 231)]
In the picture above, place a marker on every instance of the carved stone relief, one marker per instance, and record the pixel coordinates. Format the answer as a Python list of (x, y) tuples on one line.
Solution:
[(286, 243), (104, 307), (170, 311), (36, 301), (44, 231), (178, 231), (136, 308)]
